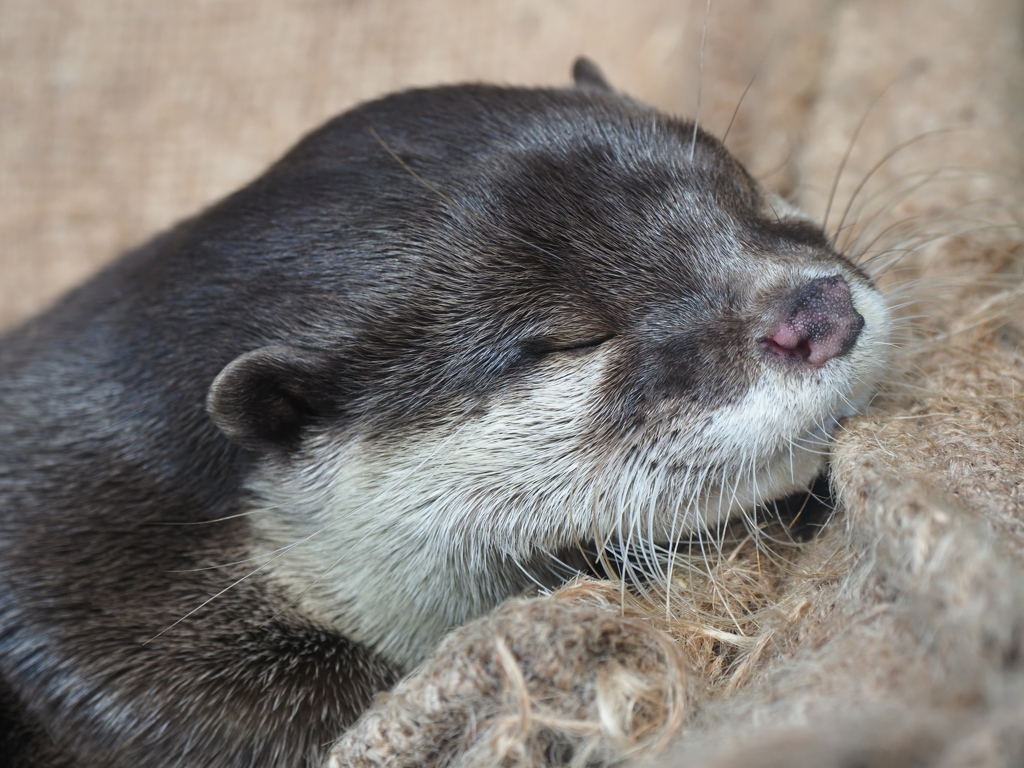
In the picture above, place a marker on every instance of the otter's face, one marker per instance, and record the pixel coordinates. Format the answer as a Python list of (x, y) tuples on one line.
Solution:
[(588, 329)]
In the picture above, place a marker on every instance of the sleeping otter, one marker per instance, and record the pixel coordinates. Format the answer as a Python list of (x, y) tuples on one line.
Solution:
[(251, 472)]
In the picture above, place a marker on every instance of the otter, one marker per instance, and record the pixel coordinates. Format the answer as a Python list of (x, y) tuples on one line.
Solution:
[(255, 469)]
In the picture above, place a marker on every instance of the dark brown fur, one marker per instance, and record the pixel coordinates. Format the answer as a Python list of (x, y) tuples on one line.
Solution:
[(371, 299)]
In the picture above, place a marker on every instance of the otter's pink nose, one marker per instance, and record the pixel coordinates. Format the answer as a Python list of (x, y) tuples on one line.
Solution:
[(821, 323)]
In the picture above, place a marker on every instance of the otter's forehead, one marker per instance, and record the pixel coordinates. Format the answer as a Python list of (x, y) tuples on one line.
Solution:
[(562, 189), (550, 238)]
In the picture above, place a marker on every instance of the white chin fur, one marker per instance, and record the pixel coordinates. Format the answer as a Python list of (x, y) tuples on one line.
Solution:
[(396, 546)]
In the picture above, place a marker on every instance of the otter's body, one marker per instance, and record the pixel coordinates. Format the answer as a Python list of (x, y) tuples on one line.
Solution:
[(451, 334)]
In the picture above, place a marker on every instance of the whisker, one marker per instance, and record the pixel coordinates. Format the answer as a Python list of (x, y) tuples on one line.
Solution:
[(878, 165), (700, 81), (849, 151), (757, 71)]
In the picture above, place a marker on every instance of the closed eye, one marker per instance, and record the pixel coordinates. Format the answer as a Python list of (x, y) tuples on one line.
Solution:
[(548, 345)]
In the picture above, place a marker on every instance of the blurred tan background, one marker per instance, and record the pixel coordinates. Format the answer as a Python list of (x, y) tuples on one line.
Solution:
[(118, 117)]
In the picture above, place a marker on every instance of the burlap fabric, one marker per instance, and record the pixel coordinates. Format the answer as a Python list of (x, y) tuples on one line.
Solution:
[(895, 637)]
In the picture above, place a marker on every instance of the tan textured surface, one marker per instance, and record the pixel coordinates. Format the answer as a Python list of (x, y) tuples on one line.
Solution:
[(526, 685)]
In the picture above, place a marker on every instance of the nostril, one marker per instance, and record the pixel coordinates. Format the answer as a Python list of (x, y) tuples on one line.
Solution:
[(820, 323), (781, 345)]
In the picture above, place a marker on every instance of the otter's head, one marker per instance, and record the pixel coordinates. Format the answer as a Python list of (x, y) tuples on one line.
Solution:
[(527, 319)]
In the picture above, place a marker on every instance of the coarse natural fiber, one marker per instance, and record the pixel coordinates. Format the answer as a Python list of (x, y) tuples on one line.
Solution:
[(892, 638)]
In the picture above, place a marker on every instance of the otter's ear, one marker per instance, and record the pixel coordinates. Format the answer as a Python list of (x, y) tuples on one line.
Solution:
[(587, 74), (263, 399)]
